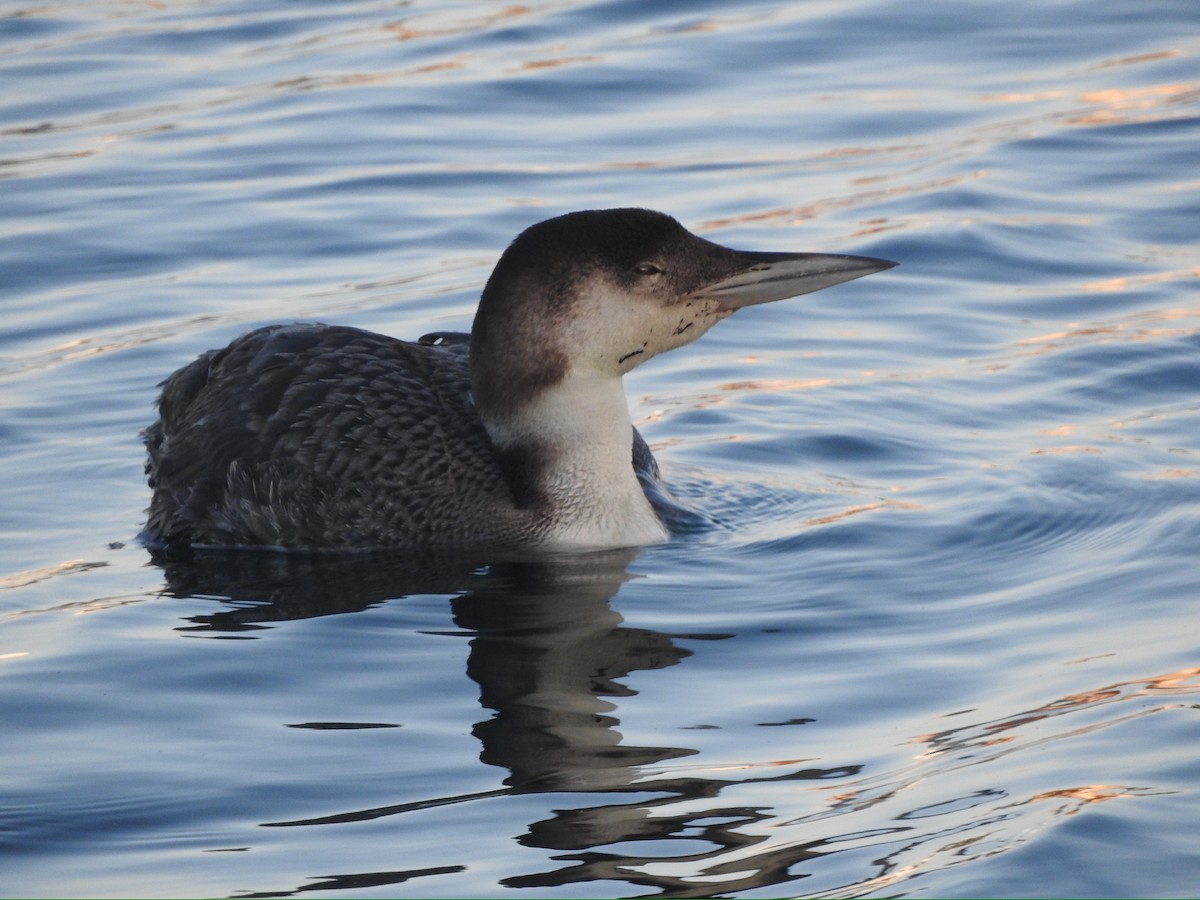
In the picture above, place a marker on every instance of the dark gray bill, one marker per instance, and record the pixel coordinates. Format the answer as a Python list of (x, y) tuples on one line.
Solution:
[(777, 276)]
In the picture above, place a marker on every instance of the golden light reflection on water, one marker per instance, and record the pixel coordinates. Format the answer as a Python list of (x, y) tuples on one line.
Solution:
[(1093, 793), (791, 215), (33, 576), (1088, 108), (410, 30), (776, 385), (1143, 325), (1112, 105), (1181, 681), (556, 62), (1122, 107), (1089, 438), (975, 745), (1125, 282), (1140, 326), (858, 510), (1172, 473)]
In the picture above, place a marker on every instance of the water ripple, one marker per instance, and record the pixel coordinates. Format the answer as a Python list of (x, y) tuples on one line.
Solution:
[(946, 519)]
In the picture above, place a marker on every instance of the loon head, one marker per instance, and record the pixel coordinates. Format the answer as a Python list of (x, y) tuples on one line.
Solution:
[(593, 294)]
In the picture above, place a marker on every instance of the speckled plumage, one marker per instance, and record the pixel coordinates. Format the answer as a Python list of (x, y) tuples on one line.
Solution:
[(321, 437), (311, 435)]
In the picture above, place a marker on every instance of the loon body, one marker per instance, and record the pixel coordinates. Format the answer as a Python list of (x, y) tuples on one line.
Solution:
[(320, 437)]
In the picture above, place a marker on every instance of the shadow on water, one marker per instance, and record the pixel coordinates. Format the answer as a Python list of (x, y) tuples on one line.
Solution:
[(548, 652)]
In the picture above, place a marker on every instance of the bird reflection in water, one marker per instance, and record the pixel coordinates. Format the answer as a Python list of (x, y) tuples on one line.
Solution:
[(548, 653)]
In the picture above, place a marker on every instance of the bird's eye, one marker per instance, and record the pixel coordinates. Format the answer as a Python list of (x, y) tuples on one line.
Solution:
[(646, 269)]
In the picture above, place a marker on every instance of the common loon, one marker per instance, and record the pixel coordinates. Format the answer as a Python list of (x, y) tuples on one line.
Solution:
[(323, 437)]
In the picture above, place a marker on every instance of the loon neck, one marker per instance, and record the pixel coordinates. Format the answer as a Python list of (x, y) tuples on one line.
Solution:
[(566, 452)]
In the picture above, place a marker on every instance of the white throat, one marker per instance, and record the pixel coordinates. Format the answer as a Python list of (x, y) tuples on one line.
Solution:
[(591, 496)]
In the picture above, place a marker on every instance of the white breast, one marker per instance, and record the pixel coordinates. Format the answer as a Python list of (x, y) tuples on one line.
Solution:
[(594, 498)]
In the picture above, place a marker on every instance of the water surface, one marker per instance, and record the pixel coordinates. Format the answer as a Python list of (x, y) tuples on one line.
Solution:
[(942, 639)]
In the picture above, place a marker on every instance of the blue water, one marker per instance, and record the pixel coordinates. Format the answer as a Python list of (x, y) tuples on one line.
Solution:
[(944, 638)]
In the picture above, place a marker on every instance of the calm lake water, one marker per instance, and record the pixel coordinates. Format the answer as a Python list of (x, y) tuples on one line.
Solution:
[(943, 637)]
